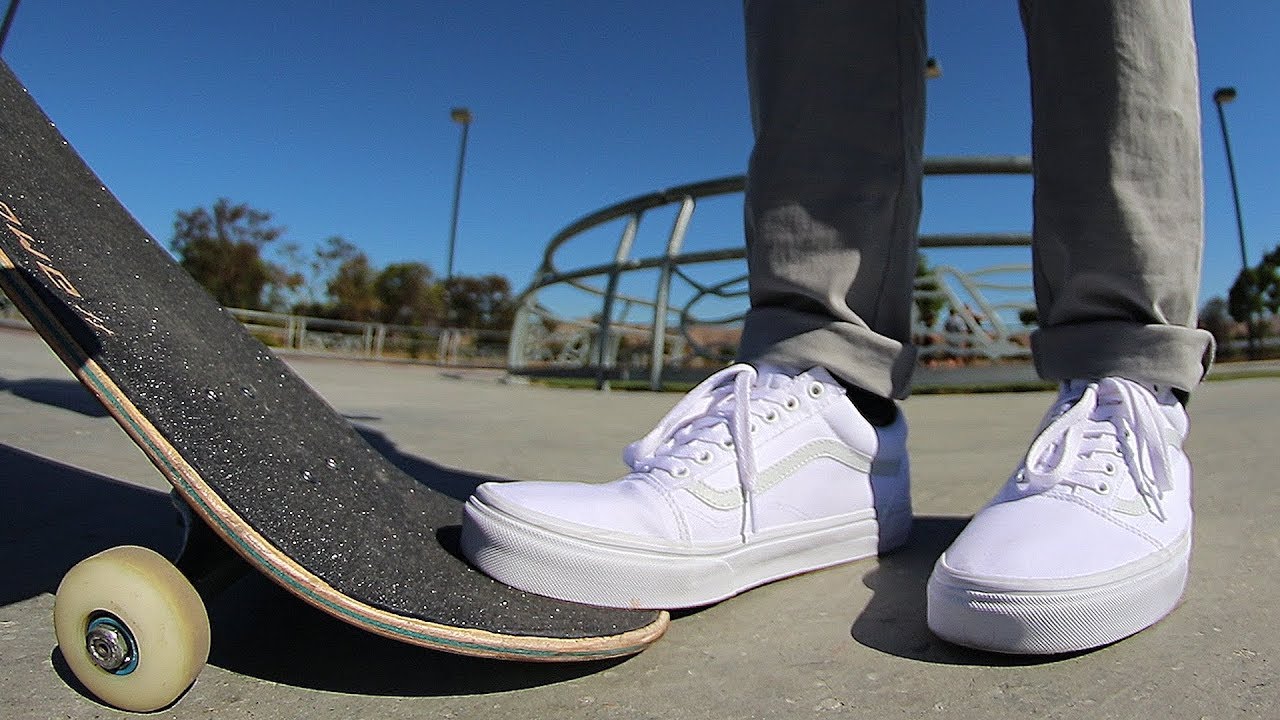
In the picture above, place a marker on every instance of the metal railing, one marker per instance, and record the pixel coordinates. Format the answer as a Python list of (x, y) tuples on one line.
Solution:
[(371, 340), (446, 346), (992, 305)]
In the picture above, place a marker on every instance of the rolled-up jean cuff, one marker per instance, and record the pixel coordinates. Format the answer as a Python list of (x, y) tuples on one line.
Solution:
[(1160, 354), (855, 354)]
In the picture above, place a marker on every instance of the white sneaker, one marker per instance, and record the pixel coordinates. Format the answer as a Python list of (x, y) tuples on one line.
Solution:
[(752, 477), (1089, 540)]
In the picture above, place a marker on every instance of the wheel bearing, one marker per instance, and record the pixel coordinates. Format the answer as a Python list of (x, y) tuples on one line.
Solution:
[(110, 645)]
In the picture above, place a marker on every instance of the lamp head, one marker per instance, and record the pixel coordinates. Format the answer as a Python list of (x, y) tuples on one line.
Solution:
[(460, 115), (1224, 95)]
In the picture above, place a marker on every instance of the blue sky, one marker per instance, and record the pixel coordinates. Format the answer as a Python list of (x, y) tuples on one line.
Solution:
[(334, 116)]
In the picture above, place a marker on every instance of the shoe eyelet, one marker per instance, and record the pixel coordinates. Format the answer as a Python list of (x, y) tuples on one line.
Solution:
[(791, 403), (1109, 468), (727, 443), (704, 458), (771, 416), (816, 390), (680, 472), (1103, 488), (753, 427)]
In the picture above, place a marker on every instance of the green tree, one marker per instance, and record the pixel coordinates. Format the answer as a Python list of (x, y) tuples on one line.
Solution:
[(1269, 280), (480, 302), (353, 291), (409, 295), (1215, 316), (222, 248), (928, 305), (1254, 295)]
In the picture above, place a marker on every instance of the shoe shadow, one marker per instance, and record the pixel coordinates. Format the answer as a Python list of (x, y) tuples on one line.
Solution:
[(894, 621), (457, 484)]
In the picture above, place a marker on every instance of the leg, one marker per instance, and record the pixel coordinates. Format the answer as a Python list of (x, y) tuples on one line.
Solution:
[(1089, 540), (767, 469), (833, 188), (1118, 196)]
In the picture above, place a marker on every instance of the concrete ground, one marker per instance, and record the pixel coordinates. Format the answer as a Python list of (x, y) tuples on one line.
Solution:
[(850, 640)]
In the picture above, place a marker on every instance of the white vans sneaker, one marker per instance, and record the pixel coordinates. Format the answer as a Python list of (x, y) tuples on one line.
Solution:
[(753, 476), (1089, 540)]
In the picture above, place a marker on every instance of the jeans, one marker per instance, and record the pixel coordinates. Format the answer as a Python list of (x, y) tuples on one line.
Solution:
[(834, 183)]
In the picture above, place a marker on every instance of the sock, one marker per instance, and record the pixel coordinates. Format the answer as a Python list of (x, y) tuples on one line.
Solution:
[(878, 411)]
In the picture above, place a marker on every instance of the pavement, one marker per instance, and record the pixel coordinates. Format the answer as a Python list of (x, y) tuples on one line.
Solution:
[(846, 641)]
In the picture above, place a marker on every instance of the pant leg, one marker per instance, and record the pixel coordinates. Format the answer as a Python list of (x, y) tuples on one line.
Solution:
[(833, 186), (1118, 193)]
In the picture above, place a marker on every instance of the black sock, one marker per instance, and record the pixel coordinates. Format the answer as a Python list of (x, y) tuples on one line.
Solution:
[(878, 411)]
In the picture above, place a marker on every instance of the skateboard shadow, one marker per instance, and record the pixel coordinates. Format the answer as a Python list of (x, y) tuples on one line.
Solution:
[(67, 514), (65, 394), (57, 515), (261, 631), (894, 621)]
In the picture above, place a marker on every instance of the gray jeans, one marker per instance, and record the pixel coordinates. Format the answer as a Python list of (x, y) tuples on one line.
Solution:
[(833, 188)]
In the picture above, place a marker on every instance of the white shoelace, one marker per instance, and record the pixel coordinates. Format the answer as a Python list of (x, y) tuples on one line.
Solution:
[(720, 411), (1112, 418)]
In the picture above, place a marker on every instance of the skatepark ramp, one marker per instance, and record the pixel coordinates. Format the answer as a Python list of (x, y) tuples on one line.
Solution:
[(670, 305)]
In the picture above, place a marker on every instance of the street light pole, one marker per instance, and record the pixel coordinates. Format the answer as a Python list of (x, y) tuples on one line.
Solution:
[(1222, 96), (8, 22), (462, 116)]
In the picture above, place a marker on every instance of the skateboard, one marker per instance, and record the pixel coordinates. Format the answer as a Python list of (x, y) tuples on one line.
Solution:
[(259, 463)]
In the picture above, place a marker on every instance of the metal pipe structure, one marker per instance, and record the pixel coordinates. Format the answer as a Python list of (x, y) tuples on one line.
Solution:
[(591, 346)]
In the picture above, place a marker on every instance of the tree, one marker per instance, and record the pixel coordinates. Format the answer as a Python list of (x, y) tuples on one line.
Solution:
[(409, 295), (482, 303), (222, 249), (353, 290), (929, 304), (1254, 294), (1244, 302), (1215, 317), (1269, 280)]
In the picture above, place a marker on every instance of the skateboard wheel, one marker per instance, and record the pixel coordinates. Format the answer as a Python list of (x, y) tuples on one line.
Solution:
[(131, 628)]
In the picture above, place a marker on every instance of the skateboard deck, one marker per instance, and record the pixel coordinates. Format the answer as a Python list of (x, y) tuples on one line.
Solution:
[(267, 464)]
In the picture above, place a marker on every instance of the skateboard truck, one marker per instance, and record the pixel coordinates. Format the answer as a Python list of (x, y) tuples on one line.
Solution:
[(207, 562)]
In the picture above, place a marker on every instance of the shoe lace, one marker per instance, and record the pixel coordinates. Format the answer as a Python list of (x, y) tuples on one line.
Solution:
[(720, 410), (1112, 417)]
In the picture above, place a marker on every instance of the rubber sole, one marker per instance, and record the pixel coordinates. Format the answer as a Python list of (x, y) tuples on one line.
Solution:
[(562, 566), (1057, 621)]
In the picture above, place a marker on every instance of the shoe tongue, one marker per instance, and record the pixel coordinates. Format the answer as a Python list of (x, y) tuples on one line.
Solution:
[(774, 376), (1073, 389), (1169, 405)]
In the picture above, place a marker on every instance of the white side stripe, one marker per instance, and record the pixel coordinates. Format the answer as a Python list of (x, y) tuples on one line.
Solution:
[(728, 499)]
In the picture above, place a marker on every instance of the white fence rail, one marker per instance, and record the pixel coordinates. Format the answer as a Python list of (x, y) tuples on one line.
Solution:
[(445, 346)]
